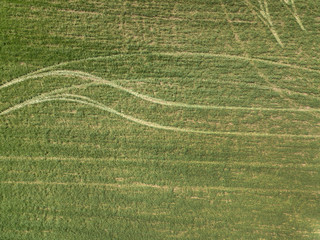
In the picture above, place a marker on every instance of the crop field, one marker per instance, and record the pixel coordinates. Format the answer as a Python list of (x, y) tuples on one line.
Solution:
[(149, 119)]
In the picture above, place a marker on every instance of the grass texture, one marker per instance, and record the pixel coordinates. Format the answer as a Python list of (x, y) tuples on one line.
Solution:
[(140, 119)]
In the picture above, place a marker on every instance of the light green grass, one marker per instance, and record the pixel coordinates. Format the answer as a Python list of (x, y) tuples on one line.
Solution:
[(159, 119)]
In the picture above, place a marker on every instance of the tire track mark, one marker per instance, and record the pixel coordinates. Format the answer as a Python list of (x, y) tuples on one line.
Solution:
[(306, 166), (90, 102), (165, 187), (260, 73), (226, 56), (101, 81)]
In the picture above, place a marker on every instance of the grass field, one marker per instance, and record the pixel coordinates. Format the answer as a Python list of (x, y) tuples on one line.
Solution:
[(166, 119)]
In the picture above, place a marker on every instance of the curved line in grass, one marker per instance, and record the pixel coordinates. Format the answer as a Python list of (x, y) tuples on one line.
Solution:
[(88, 101), (98, 80), (226, 56)]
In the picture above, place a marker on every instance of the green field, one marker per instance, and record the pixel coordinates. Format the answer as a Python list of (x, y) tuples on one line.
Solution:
[(144, 119)]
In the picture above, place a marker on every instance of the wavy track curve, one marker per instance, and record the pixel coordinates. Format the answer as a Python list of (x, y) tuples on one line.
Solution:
[(87, 101), (98, 80), (177, 54)]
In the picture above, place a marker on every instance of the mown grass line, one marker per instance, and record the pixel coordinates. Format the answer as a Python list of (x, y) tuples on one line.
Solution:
[(237, 163), (164, 187)]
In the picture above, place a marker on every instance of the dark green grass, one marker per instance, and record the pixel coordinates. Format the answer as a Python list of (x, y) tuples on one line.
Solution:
[(71, 171)]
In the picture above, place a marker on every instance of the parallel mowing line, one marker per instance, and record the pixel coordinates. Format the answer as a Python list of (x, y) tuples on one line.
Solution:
[(90, 102), (98, 80), (138, 160), (163, 187)]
